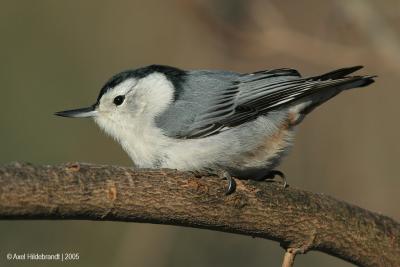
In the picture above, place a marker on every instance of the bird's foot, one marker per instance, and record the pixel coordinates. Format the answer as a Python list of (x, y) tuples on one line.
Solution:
[(231, 182), (271, 177), (220, 173)]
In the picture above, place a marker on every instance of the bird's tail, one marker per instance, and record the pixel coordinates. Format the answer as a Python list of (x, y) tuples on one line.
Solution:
[(339, 80)]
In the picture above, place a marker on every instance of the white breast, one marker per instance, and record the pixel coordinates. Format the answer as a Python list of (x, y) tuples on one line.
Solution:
[(145, 145)]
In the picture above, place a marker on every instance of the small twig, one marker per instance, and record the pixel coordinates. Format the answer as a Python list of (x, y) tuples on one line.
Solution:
[(288, 259), (291, 252)]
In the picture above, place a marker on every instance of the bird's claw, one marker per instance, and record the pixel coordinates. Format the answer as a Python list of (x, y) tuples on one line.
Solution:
[(231, 186), (222, 174), (231, 182), (271, 176)]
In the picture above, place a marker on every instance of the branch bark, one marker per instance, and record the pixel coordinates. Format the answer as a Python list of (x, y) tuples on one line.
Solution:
[(299, 220)]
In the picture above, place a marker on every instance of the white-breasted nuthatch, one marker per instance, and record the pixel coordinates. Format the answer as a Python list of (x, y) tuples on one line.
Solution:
[(221, 122)]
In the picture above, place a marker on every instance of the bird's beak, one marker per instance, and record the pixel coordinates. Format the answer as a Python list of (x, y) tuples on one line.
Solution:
[(78, 113)]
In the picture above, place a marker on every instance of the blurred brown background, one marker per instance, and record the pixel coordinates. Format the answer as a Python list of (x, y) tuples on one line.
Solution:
[(56, 55)]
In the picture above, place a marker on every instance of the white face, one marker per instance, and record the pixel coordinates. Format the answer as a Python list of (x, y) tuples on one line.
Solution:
[(117, 102), (134, 103)]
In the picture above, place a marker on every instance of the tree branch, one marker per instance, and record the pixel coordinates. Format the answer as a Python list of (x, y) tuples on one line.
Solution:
[(299, 220)]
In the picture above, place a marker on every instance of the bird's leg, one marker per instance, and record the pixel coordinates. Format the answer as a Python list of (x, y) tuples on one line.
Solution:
[(271, 176), (231, 182)]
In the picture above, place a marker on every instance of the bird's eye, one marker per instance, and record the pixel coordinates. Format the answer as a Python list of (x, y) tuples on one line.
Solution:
[(118, 100)]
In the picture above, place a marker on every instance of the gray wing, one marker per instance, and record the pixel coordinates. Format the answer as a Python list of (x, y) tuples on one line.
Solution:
[(217, 101), (199, 92)]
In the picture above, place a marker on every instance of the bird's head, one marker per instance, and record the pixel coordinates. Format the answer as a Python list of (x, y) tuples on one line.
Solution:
[(132, 98)]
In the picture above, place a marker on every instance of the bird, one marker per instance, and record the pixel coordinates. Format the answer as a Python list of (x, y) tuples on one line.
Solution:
[(223, 123)]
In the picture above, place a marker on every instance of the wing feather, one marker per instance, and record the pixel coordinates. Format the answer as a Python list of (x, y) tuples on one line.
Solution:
[(259, 93), (215, 101)]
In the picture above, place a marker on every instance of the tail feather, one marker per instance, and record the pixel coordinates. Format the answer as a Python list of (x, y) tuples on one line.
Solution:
[(350, 82), (339, 81), (337, 74), (343, 80)]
